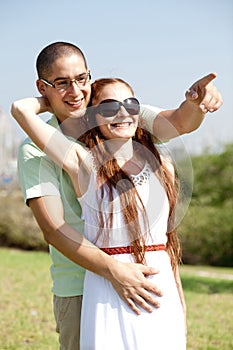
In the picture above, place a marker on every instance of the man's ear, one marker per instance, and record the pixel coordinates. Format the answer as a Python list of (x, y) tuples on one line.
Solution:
[(41, 87)]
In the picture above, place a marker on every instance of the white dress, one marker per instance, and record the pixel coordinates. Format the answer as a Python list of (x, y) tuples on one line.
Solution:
[(107, 322)]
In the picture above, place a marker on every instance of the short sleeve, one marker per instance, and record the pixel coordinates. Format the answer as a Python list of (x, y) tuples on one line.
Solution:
[(148, 114), (36, 172)]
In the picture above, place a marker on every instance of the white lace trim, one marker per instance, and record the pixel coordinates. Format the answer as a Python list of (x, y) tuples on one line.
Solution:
[(138, 180), (142, 177)]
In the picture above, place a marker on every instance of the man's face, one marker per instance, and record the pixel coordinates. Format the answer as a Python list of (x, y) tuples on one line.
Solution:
[(72, 102)]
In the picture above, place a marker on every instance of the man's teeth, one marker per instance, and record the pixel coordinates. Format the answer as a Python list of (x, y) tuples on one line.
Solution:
[(75, 102)]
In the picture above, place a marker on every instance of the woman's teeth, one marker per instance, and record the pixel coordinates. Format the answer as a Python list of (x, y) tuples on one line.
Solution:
[(121, 125)]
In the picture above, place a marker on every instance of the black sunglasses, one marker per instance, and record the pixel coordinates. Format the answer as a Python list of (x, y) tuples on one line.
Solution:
[(110, 107)]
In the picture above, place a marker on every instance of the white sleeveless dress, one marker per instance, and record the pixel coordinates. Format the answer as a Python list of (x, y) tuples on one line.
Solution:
[(107, 322)]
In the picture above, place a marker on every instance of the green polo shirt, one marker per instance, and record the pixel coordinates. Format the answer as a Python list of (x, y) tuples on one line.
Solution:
[(39, 176)]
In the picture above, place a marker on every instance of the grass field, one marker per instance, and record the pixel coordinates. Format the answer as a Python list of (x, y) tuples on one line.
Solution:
[(26, 316)]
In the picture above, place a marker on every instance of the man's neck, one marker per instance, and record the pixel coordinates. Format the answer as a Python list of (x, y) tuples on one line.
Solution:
[(73, 127)]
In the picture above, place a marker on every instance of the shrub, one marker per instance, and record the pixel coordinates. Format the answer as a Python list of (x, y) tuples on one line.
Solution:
[(207, 236), (18, 227)]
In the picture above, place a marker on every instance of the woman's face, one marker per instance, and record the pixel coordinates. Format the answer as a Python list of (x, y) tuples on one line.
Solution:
[(122, 124)]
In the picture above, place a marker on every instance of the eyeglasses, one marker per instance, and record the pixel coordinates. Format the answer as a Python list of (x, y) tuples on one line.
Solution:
[(110, 107), (64, 84)]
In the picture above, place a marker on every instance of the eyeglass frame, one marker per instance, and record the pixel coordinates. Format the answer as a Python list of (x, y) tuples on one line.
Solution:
[(76, 81)]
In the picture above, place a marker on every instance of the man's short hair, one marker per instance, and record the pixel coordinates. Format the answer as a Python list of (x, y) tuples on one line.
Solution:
[(51, 53)]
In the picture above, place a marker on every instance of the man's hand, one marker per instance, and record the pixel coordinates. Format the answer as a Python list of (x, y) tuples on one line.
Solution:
[(204, 94), (133, 287), (44, 105)]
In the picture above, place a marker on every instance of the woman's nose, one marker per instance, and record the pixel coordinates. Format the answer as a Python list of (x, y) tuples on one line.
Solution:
[(122, 111)]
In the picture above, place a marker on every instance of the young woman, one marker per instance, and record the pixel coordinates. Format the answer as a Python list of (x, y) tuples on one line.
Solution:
[(128, 197)]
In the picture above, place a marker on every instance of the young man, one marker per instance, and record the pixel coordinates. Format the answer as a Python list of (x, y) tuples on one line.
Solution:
[(64, 79)]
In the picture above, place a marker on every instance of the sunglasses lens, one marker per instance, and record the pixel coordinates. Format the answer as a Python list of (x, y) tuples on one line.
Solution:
[(109, 108), (132, 106)]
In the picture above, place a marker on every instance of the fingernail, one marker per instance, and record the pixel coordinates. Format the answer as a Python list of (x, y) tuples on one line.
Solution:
[(203, 108), (193, 94)]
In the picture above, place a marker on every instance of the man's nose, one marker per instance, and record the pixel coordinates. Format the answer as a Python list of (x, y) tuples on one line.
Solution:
[(74, 87)]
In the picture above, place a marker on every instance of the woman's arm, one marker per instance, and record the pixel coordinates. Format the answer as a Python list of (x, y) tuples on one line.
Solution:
[(180, 289), (67, 154), (170, 168), (181, 293)]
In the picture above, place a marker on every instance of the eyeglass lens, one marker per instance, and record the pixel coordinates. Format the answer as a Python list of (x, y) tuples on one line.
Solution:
[(64, 84)]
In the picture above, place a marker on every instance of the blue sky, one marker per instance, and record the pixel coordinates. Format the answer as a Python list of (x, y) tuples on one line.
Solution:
[(159, 47)]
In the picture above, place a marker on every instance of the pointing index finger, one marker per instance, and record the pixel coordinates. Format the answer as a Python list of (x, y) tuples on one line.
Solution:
[(207, 79)]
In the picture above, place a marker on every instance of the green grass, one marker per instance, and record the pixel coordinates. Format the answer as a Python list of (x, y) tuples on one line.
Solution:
[(210, 307), (26, 315)]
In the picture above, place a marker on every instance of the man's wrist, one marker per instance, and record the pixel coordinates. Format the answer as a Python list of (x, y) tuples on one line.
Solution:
[(191, 107)]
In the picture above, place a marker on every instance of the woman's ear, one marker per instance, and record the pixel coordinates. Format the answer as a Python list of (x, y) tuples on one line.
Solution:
[(41, 87)]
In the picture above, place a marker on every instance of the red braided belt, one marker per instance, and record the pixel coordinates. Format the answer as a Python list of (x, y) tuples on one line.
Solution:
[(130, 250)]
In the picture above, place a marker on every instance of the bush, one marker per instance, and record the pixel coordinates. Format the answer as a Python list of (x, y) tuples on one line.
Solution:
[(213, 180), (207, 236), (18, 227), (207, 229)]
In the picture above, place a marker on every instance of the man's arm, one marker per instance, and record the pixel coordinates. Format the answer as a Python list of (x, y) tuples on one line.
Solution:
[(202, 97), (128, 279)]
